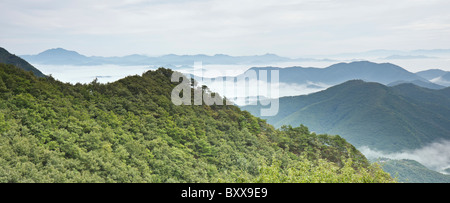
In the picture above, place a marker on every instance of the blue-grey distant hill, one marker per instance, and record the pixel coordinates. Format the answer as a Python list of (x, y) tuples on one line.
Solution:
[(59, 56)]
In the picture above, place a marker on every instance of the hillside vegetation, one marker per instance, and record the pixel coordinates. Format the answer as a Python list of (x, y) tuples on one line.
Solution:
[(129, 131)]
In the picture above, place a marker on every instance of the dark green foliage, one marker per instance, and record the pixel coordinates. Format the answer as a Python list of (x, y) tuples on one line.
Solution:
[(129, 131)]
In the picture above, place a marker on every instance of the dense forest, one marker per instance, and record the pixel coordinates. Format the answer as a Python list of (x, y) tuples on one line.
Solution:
[(130, 131)]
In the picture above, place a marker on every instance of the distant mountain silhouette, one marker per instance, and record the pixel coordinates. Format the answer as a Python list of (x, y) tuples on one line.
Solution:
[(8, 58), (384, 73), (60, 56)]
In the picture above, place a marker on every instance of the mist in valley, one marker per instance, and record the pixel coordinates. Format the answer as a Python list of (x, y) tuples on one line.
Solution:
[(435, 156)]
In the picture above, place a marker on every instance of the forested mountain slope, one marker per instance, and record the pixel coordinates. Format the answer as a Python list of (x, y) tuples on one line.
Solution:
[(129, 131)]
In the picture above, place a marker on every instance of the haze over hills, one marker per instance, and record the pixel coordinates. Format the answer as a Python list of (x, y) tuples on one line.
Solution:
[(310, 79), (370, 114), (305, 80), (54, 57), (372, 71), (60, 56), (384, 73), (398, 54), (8, 58)]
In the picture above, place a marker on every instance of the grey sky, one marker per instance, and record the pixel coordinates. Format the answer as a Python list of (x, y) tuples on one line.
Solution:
[(235, 27)]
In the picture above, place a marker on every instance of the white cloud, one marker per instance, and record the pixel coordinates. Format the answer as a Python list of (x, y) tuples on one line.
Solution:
[(435, 156)]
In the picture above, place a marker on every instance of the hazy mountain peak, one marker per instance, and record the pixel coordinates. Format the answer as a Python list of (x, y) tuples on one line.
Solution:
[(364, 63), (59, 52)]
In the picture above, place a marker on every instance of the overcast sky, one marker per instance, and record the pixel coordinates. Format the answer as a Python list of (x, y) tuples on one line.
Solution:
[(235, 27)]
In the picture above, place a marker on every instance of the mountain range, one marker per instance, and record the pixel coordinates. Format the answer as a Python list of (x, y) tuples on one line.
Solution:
[(60, 56), (382, 106), (306, 80), (314, 78), (383, 73), (389, 119)]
